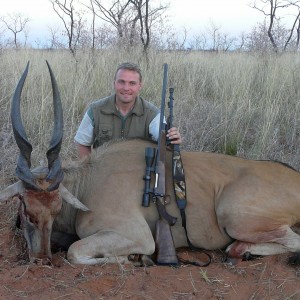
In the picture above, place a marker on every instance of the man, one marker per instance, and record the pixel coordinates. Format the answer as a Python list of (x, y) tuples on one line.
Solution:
[(123, 114)]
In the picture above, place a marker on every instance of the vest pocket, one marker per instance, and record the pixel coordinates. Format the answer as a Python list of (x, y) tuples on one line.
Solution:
[(104, 136)]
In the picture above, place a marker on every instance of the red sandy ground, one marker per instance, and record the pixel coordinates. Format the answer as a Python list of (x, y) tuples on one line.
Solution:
[(264, 278)]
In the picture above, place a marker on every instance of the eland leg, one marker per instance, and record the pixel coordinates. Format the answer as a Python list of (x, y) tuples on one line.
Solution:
[(289, 242), (108, 247)]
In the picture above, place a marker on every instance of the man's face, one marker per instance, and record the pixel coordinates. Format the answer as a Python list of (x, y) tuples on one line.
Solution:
[(127, 86)]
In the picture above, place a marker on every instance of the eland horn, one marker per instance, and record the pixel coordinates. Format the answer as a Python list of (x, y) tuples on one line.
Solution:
[(55, 174)]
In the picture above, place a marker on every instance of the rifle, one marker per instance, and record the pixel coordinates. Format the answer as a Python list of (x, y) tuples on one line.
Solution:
[(155, 162)]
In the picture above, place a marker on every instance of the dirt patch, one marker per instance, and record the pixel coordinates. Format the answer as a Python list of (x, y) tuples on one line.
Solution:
[(264, 278)]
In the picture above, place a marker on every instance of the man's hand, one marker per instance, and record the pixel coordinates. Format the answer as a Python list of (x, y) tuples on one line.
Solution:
[(174, 136)]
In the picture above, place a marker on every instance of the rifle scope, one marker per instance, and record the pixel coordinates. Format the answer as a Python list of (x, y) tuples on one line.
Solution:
[(149, 158)]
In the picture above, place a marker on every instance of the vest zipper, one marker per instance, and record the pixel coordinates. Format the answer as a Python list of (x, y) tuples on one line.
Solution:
[(123, 126)]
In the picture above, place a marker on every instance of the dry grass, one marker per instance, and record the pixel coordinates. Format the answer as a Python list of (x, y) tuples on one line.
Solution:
[(235, 103)]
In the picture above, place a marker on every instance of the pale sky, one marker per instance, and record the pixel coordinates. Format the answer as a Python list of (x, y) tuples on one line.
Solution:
[(233, 16)]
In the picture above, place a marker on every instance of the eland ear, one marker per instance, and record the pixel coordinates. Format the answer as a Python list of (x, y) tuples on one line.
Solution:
[(12, 190), (71, 199)]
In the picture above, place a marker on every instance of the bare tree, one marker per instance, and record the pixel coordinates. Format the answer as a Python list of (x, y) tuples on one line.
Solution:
[(163, 34), (105, 36), (129, 17), (257, 40), (298, 34), (142, 9), (198, 42), (146, 16), (72, 19), (93, 28), (214, 32), (55, 38), (2, 33), (270, 10), (241, 41), (16, 23), (227, 42), (296, 25), (116, 14)]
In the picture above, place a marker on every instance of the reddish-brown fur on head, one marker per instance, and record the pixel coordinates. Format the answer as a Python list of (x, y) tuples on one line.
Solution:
[(37, 212)]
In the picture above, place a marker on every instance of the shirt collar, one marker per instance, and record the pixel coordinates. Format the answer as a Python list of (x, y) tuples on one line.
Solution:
[(110, 107)]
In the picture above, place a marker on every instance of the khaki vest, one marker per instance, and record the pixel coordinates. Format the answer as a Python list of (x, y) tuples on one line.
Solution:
[(110, 124)]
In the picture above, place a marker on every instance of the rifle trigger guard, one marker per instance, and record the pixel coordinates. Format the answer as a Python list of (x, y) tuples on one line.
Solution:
[(163, 213)]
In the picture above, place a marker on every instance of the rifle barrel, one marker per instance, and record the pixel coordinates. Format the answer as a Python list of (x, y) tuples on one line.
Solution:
[(162, 108)]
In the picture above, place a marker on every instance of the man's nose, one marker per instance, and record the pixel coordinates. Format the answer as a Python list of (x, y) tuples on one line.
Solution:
[(126, 86)]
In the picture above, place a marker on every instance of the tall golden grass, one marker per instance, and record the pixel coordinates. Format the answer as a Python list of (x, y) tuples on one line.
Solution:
[(236, 103)]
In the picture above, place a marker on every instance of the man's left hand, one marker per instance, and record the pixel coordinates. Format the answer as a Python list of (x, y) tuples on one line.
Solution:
[(174, 135)]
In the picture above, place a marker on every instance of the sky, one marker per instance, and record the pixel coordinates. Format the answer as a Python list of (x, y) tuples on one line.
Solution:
[(233, 16)]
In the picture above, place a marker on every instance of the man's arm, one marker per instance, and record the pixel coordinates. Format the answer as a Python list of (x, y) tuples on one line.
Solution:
[(83, 151), (84, 137)]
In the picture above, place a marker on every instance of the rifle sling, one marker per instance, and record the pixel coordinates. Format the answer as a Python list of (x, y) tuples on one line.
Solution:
[(180, 195)]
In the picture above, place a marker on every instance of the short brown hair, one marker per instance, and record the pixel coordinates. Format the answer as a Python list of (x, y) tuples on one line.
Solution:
[(131, 67)]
